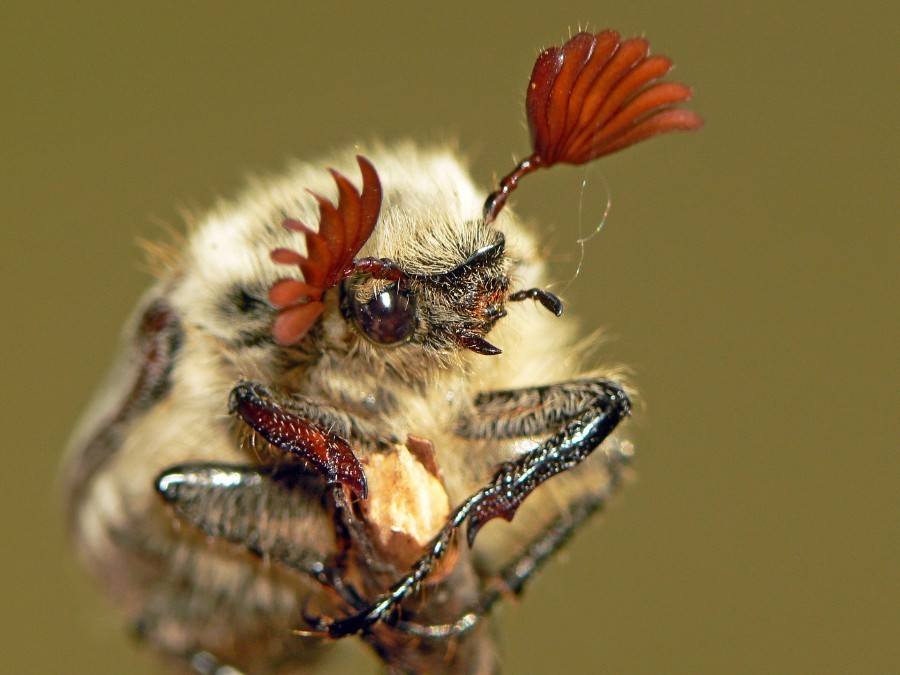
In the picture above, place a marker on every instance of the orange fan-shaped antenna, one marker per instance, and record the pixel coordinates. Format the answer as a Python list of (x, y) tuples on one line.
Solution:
[(593, 96), (330, 251)]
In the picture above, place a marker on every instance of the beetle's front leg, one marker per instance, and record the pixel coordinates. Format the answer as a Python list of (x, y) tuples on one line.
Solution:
[(321, 436), (324, 449), (587, 412)]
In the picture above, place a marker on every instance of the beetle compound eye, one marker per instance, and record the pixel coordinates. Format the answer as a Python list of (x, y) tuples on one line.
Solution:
[(388, 318)]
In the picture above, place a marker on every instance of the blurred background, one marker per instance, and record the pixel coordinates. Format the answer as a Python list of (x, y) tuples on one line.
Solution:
[(748, 274)]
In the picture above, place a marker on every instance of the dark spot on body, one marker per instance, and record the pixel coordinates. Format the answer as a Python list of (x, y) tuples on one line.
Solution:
[(244, 301)]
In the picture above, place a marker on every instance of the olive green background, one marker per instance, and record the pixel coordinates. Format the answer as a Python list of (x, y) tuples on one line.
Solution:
[(747, 273)]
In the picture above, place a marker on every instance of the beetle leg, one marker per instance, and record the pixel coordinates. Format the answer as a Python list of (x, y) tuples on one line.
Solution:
[(327, 452), (276, 514), (531, 411), (605, 405), (526, 412), (318, 433), (321, 435), (513, 578), (582, 413)]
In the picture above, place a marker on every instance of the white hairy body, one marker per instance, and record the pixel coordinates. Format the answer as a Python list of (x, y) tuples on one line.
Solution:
[(201, 594)]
